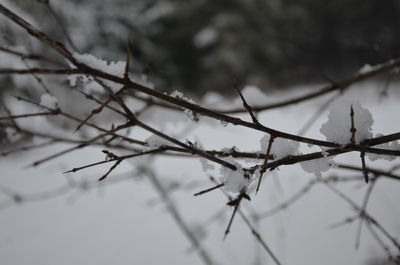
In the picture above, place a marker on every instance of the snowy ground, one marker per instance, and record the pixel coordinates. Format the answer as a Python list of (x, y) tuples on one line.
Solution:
[(124, 222)]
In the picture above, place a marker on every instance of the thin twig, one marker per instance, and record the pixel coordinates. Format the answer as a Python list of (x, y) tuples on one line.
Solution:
[(245, 104), (75, 169), (264, 166), (29, 115), (92, 113), (177, 216), (209, 189), (61, 23), (236, 204), (34, 57), (381, 243), (365, 215), (353, 128), (111, 169), (79, 146), (363, 209), (28, 147), (45, 71), (317, 114), (254, 232), (284, 205), (364, 167), (259, 238)]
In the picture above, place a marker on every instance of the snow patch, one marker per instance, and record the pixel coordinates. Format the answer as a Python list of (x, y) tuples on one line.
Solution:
[(235, 181), (113, 68), (388, 146), (49, 101), (317, 166), (280, 147), (337, 128), (192, 115), (366, 68), (179, 95)]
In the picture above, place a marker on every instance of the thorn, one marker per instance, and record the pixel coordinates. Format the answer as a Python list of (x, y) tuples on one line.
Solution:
[(70, 171), (364, 167), (103, 177), (209, 189), (246, 196)]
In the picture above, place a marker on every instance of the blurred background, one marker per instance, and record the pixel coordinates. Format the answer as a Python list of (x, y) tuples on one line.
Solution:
[(200, 45)]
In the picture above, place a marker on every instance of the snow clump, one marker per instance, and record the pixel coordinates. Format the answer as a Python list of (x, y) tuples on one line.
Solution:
[(49, 101), (280, 147), (337, 128), (317, 166), (235, 181), (191, 115), (388, 146), (179, 95), (366, 68), (114, 68)]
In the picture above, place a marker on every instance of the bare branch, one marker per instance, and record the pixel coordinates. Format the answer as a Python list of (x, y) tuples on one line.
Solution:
[(264, 166), (364, 167), (33, 57), (28, 115), (157, 150), (245, 104), (40, 71), (209, 189), (353, 128)]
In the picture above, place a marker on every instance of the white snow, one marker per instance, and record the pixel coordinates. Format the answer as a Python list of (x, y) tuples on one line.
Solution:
[(337, 128), (224, 123), (234, 180), (114, 68), (317, 166), (280, 147), (366, 68), (395, 145), (191, 115), (49, 101), (178, 94)]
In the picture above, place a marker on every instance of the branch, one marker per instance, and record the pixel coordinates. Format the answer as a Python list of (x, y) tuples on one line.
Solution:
[(28, 115), (33, 57), (30, 71), (177, 216), (245, 104), (264, 166)]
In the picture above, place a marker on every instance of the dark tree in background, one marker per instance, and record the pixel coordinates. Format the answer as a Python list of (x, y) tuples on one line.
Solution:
[(200, 45)]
